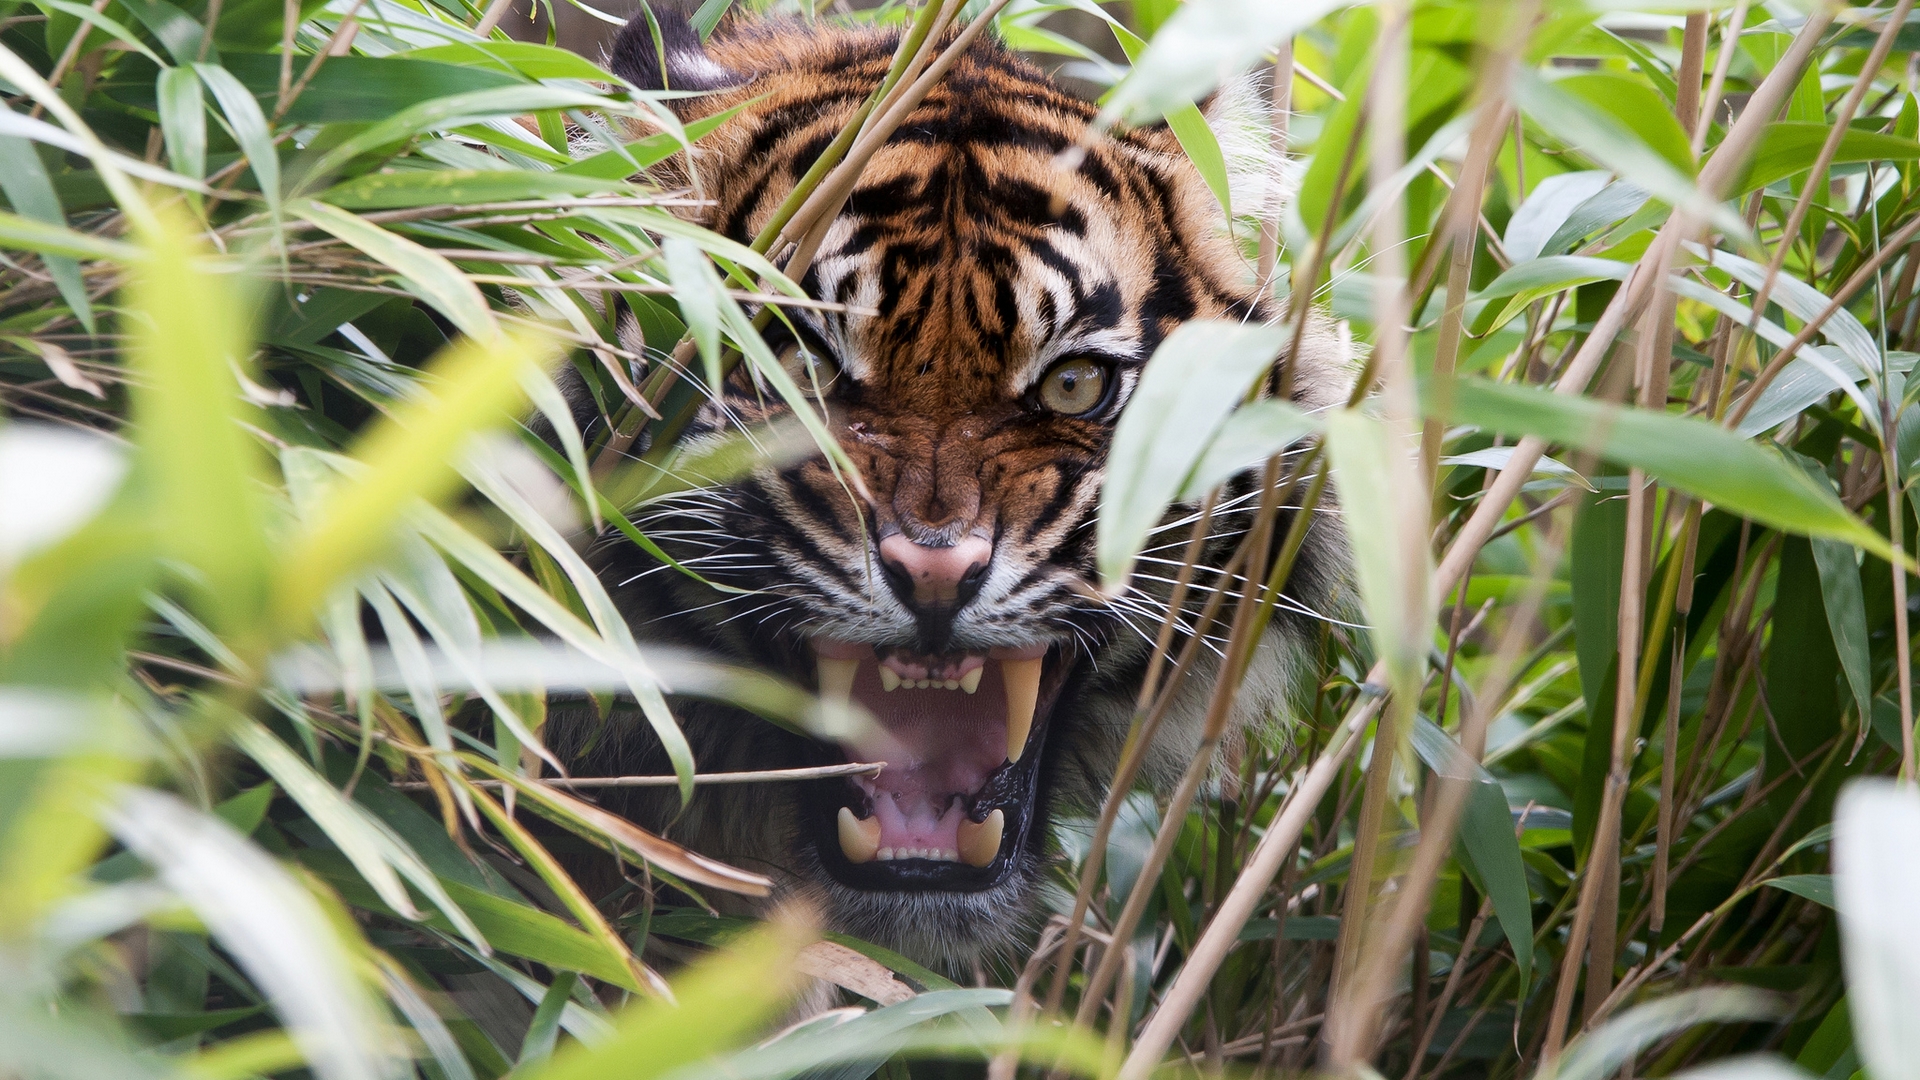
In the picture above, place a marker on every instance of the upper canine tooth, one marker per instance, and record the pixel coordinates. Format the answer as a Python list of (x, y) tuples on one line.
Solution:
[(1023, 693), (971, 680), (836, 677), (888, 680), (859, 840), (980, 843)]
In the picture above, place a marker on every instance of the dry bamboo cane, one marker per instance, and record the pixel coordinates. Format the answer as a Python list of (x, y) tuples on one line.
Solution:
[(1437, 828), (1346, 1030), (1222, 932), (1817, 178)]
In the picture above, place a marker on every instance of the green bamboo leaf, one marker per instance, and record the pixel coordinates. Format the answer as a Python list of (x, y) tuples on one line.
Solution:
[(697, 289), (250, 129), (515, 58), (1185, 393), (1815, 887), (1486, 832), (438, 187), (513, 928), (1616, 146), (24, 179), (380, 856), (1189, 127), (537, 1047), (1844, 601), (1637, 107), (1536, 279), (607, 618), (268, 922), (454, 111), (1697, 457), (425, 272), (1807, 303), (1599, 1053), (358, 89), (622, 162), (116, 29), (183, 120)]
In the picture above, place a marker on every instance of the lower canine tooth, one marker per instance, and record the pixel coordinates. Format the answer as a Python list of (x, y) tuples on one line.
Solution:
[(1023, 693), (859, 840), (980, 843), (888, 680), (971, 680), (836, 678)]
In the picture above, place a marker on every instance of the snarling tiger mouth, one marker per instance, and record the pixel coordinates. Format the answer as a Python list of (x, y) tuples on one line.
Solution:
[(962, 736)]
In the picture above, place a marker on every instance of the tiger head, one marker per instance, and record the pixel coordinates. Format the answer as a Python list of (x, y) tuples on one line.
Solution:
[(990, 312)]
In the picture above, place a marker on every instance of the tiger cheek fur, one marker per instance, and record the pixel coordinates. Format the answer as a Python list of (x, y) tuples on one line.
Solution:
[(999, 308)]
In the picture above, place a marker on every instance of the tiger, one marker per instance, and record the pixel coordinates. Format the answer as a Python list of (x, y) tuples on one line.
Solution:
[(991, 302)]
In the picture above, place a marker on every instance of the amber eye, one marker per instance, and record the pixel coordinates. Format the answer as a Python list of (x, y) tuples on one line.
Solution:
[(1074, 387), (809, 369)]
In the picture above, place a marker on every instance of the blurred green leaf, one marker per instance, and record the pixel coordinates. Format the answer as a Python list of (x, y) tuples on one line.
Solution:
[(717, 1005), (1391, 566), (1185, 393), (406, 458), (189, 345), (1787, 148), (1876, 829), (1201, 45)]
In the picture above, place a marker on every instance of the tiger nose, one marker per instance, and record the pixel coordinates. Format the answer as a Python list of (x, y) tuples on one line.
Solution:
[(936, 573)]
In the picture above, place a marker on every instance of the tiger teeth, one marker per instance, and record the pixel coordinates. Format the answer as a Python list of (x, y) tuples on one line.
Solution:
[(859, 840), (888, 680), (971, 680), (1023, 693), (836, 677), (889, 854), (980, 843)]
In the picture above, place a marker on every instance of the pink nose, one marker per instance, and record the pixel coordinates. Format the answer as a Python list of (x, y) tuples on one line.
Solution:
[(936, 572)]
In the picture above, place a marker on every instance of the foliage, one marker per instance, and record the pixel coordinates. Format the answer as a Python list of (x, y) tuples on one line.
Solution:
[(1638, 297)]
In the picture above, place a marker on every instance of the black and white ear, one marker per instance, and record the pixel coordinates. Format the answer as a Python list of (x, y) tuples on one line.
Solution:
[(661, 50)]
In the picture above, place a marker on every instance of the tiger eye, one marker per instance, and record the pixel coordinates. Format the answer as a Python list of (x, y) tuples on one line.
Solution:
[(1074, 387)]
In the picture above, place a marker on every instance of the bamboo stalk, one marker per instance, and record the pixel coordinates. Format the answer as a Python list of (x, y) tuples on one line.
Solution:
[(756, 776)]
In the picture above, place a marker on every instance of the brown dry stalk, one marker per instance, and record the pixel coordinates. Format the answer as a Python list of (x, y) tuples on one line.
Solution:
[(1817, 178), (1241, 642), (1281, 840), (1220, 934), (1719, 171)]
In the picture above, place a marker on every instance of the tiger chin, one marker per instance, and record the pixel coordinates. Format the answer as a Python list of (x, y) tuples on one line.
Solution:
[(998, 309)]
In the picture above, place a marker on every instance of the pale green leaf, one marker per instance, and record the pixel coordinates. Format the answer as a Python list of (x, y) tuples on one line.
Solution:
[(1194, 379)]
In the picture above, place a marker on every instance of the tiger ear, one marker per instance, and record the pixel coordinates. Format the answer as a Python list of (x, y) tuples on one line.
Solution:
[(1260, 175), (661, 50)]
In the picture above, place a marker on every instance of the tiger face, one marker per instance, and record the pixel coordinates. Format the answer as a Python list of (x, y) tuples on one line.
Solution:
[(998, 309)]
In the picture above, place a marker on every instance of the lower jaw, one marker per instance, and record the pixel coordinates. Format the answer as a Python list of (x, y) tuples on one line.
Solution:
[(1016, 797)]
